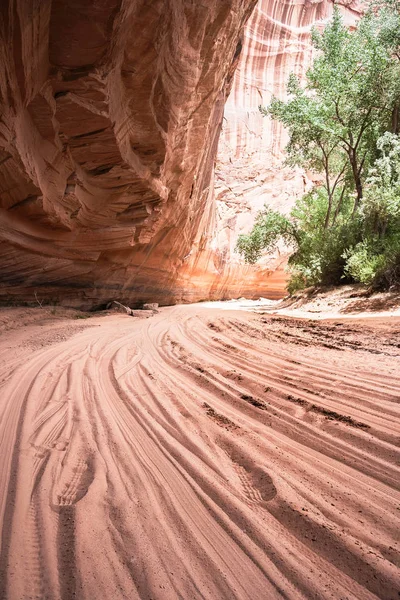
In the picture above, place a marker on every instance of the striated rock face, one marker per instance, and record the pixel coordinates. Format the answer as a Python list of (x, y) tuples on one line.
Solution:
[(110, 118), (110, 115), (250, 169)]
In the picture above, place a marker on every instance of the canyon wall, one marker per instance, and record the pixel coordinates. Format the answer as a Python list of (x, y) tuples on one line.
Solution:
[(250, 170), (110, 118), (111, 113)]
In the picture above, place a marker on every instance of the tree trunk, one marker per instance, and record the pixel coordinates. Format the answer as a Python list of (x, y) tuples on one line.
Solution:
[(396, 119), (329, 192), (356, 177), (328, 212), (339, 205)]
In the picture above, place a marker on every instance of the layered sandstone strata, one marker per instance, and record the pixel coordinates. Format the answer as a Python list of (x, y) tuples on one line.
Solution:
[(250, 169), (110, 119)]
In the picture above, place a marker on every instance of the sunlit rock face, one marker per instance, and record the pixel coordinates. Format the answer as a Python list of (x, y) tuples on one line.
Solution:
[(110, 117), (250, 170)]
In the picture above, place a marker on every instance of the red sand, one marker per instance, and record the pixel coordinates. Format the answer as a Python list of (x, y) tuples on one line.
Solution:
[(198, 454)]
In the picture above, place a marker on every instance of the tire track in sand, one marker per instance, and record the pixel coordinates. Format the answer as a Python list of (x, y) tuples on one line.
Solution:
[(178, 457)]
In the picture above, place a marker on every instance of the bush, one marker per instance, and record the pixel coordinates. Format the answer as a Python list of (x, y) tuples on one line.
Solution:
[(389, 274), (376, 259), (375, 262), (362, 264), (270, 226), (318, 259), (317, 256)]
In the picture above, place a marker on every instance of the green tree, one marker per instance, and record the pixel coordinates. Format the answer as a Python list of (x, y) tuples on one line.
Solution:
[(312, 144), (376, 258), (347, 102), (269, 228), (387, 13), (342, 123), (381, 206)]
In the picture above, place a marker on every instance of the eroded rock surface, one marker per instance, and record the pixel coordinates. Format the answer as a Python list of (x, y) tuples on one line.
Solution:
[(110, 117), (250, 170), (250, 167), (111, 113)]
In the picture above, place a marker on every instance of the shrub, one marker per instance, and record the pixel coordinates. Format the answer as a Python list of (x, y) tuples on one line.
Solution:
[(270, 226), (375, 262), (362, 264)]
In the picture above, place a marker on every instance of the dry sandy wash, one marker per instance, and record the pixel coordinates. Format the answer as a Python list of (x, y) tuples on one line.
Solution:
[(198, 454)]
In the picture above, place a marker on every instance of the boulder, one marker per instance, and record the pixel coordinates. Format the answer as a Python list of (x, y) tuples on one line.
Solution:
[(150, 306)]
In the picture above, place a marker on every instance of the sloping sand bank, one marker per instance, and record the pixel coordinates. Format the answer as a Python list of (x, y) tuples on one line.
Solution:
[(198, 454)]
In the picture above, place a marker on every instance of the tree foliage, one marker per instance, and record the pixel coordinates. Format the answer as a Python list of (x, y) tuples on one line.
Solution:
[(350, 92), (270, 227), (343, 123)]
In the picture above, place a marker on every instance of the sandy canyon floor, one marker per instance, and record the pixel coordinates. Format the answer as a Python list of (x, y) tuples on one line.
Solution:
[(198, 454)]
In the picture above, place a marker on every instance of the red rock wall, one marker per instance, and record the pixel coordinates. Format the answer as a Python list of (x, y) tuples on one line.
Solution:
[(111, 112), (250, 170), (110, 117)]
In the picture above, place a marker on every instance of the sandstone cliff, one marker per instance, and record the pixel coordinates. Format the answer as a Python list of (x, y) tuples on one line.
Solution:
[(250, 170), (110, 119)]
